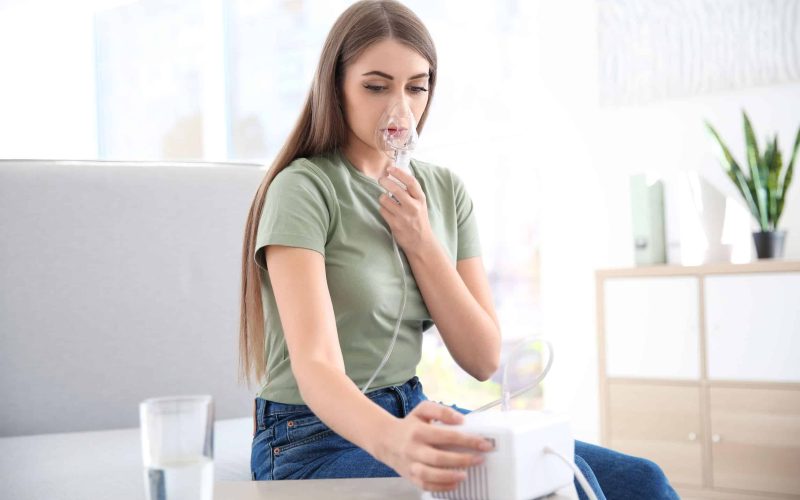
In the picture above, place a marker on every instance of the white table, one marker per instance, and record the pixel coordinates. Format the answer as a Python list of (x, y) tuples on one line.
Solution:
[(108, 464), (334, 489), (104, 464)]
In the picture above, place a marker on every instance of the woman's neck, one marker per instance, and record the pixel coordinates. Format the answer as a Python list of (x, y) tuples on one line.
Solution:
[(366, 159)]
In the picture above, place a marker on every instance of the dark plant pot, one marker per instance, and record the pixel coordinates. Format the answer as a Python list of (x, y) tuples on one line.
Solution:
[(769, 244)]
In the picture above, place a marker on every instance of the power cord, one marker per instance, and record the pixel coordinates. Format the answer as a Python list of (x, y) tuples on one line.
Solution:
[(578, 474)]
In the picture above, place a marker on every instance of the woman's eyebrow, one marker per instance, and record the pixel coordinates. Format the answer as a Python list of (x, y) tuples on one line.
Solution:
[(390, 77)]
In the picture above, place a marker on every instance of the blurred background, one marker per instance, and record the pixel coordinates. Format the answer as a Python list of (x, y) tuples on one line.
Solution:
[(568, 102)]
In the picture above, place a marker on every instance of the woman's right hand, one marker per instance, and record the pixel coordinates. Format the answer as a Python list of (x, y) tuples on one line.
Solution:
[(413, 447)]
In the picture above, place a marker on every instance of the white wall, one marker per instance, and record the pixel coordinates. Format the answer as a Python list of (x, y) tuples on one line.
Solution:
[(573, 233), (585, 198), (669, 136)]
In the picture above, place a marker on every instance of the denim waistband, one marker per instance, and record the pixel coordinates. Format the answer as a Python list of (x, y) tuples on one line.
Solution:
[(405, 394)]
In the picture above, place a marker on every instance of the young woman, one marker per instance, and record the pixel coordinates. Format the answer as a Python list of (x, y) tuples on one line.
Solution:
[(322, 286)]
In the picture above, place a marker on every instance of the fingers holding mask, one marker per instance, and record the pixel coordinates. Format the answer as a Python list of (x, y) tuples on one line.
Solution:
[(408, 181)]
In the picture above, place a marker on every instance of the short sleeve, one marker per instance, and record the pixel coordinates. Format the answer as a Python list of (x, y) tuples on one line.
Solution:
[(469, 244), (295, 213)]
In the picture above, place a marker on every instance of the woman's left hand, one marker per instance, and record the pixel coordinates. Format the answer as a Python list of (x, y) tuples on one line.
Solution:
[(408, 220)]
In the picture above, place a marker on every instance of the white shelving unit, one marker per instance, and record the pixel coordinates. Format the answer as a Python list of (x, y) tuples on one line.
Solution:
[(700, 372)]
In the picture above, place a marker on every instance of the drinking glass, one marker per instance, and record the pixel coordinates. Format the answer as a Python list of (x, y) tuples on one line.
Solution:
[(178, 447)]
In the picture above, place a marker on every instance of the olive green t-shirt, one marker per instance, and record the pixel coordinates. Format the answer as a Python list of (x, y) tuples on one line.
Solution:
[(325, 204)]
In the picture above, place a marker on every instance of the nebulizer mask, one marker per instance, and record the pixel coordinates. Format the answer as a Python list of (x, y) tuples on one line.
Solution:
[(396, 135)]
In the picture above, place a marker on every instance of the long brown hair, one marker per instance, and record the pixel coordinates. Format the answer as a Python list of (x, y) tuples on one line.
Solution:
[(320, 128)]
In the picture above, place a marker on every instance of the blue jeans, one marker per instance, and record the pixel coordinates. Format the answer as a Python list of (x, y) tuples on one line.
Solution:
[(290, 442)]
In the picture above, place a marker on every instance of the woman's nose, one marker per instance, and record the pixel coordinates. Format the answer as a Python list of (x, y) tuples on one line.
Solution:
[(401, 97), (402, 101)]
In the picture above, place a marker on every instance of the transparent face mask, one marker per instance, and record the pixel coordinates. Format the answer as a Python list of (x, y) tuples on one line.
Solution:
[(396, 133)]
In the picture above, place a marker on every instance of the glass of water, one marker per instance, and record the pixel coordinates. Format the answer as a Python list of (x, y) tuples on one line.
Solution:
[(178, 447)]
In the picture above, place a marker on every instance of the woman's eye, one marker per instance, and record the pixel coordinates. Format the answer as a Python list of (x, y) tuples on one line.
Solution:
[(379, 88)]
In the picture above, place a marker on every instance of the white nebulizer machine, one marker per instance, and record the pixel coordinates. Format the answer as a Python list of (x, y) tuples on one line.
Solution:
[(533, 450), (533, 454)]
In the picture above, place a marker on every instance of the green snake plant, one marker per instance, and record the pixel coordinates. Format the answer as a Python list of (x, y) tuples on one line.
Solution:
[(764, 189)]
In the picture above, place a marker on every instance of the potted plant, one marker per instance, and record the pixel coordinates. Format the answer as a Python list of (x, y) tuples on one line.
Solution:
[(764, 189)]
